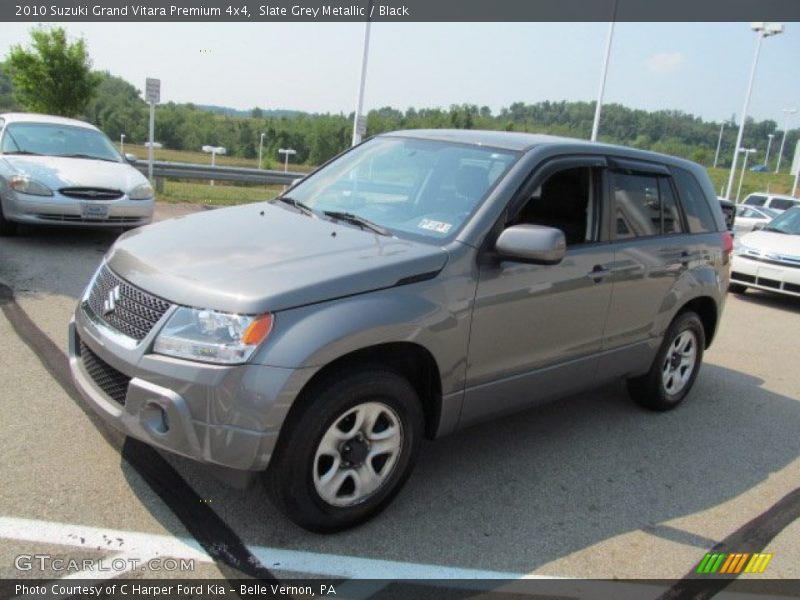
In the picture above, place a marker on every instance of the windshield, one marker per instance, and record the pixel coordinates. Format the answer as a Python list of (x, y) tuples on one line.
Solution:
[(51, 139), (420, 187), (787, 222)]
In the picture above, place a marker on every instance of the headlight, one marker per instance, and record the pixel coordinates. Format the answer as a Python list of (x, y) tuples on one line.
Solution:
[(742, 250), (211, 336), (26, 185), (141, 192)]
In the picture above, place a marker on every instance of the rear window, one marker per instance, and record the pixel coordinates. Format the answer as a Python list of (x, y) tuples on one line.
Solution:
[(754, 200), (782, 203), (694, 202)]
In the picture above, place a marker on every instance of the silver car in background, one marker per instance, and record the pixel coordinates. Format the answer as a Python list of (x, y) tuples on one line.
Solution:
[(66, 172), (747, 217)]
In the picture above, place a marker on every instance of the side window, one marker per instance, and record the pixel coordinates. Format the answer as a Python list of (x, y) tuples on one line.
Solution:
[(781, 204), (671, 216), (753, 200), (694, 202), (637, 210), (567, 200)]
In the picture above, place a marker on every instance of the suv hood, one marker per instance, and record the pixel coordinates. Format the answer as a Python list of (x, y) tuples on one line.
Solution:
[(57, 172), (259, 257)]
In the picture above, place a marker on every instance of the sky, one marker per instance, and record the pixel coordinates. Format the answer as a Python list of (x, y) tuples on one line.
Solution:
[(699, 68)]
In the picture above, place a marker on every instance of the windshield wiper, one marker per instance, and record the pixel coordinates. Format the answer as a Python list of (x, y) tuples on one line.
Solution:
[(356, 220), (775, 229), (26, 152), (306, 210), (89, 156)]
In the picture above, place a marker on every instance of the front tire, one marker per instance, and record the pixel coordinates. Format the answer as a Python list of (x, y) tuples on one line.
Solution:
[(346, 450), (675, 367), (7, 228), (737, 288)]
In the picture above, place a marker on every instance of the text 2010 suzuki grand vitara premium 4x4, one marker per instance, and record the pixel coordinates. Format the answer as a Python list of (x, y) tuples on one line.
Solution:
[(419, 283)]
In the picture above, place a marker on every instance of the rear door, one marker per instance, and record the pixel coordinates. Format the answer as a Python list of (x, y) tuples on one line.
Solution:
[(651, 253)]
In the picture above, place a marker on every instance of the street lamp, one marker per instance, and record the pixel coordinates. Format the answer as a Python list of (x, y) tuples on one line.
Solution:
[(260, 147), (787, 112), (122, 144), (763, 30), (359, 121), (719, 142), (214, 150), (747, 152), (286, 152), (770, 136), (603, 74)]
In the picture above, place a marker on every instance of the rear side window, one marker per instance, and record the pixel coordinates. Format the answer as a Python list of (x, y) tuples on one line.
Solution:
[(782, 203), (754, 200), (694, 202), (644, 205)]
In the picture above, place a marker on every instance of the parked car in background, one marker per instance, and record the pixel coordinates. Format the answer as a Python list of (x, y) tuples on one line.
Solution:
[(747, 217), (759, 168), (769, 259), (420, 283), (779, 202), (57, 171), (729, 212)]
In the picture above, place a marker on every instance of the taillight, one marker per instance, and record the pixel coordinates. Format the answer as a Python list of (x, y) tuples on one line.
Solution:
[(727, 242)]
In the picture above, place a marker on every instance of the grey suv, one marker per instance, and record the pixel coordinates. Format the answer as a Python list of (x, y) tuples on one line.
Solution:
[(421, 282)]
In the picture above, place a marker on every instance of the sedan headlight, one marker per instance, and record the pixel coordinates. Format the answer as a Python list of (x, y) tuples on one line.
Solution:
[(742, 250), (211, 336), (141, 192), (26, 185)]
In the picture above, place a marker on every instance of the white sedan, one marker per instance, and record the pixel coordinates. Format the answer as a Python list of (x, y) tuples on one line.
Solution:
[(769, 259), (747, 217)]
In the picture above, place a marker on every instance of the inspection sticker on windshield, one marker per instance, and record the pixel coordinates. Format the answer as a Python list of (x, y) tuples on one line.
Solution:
[(436, 226)]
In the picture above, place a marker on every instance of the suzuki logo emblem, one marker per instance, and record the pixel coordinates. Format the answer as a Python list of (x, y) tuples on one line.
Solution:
[(110, 304)]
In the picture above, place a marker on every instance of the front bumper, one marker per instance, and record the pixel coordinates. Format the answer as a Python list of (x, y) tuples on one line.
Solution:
[(62, 210), (221, 415), (769, 276)]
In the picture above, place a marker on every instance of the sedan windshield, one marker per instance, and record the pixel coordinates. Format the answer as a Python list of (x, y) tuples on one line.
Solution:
[(52, 139), (787, 222), (419, 187)]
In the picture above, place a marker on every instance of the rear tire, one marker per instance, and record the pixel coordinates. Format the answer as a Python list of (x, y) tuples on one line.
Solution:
[(675, 367), (737, 288), (346, 450)]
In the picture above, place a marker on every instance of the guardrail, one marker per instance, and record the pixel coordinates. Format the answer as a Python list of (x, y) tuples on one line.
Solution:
[(162, 169)]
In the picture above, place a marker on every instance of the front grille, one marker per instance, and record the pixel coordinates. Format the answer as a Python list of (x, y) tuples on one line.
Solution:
[(88, 193), (791, 287), (742, 277), (133, 312), (770, 283), (107, 378)]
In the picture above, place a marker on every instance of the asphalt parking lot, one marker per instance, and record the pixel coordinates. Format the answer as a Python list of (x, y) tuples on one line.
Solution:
[(589, 487)]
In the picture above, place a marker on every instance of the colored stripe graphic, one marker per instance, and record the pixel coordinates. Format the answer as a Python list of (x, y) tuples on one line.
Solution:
[(732, 564)]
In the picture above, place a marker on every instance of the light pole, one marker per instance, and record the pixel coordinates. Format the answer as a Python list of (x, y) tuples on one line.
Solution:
[(359, 122), (603, 74), (214, 150), (260, 148), (747, 152), (719, 143), (762, 30), (788, 112), (770, 137), (286, 152), (122, 144)]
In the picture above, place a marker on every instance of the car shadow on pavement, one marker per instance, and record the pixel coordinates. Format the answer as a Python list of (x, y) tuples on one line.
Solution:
[(517, 493), (779, 301), (53, 260)]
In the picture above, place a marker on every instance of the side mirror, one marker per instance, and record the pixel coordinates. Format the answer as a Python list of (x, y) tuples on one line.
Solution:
[(131, 158), (532, 243), (758, 226)]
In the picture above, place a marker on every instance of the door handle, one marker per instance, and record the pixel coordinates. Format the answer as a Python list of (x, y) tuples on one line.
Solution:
[(598, 273)]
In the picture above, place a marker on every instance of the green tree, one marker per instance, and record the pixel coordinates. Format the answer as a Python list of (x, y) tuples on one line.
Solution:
[(53, 76)]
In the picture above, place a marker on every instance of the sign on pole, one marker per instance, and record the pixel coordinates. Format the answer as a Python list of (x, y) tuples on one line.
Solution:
[(152, 95)]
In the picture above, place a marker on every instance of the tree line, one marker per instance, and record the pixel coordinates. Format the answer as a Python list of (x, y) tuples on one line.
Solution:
[(116, 106)]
